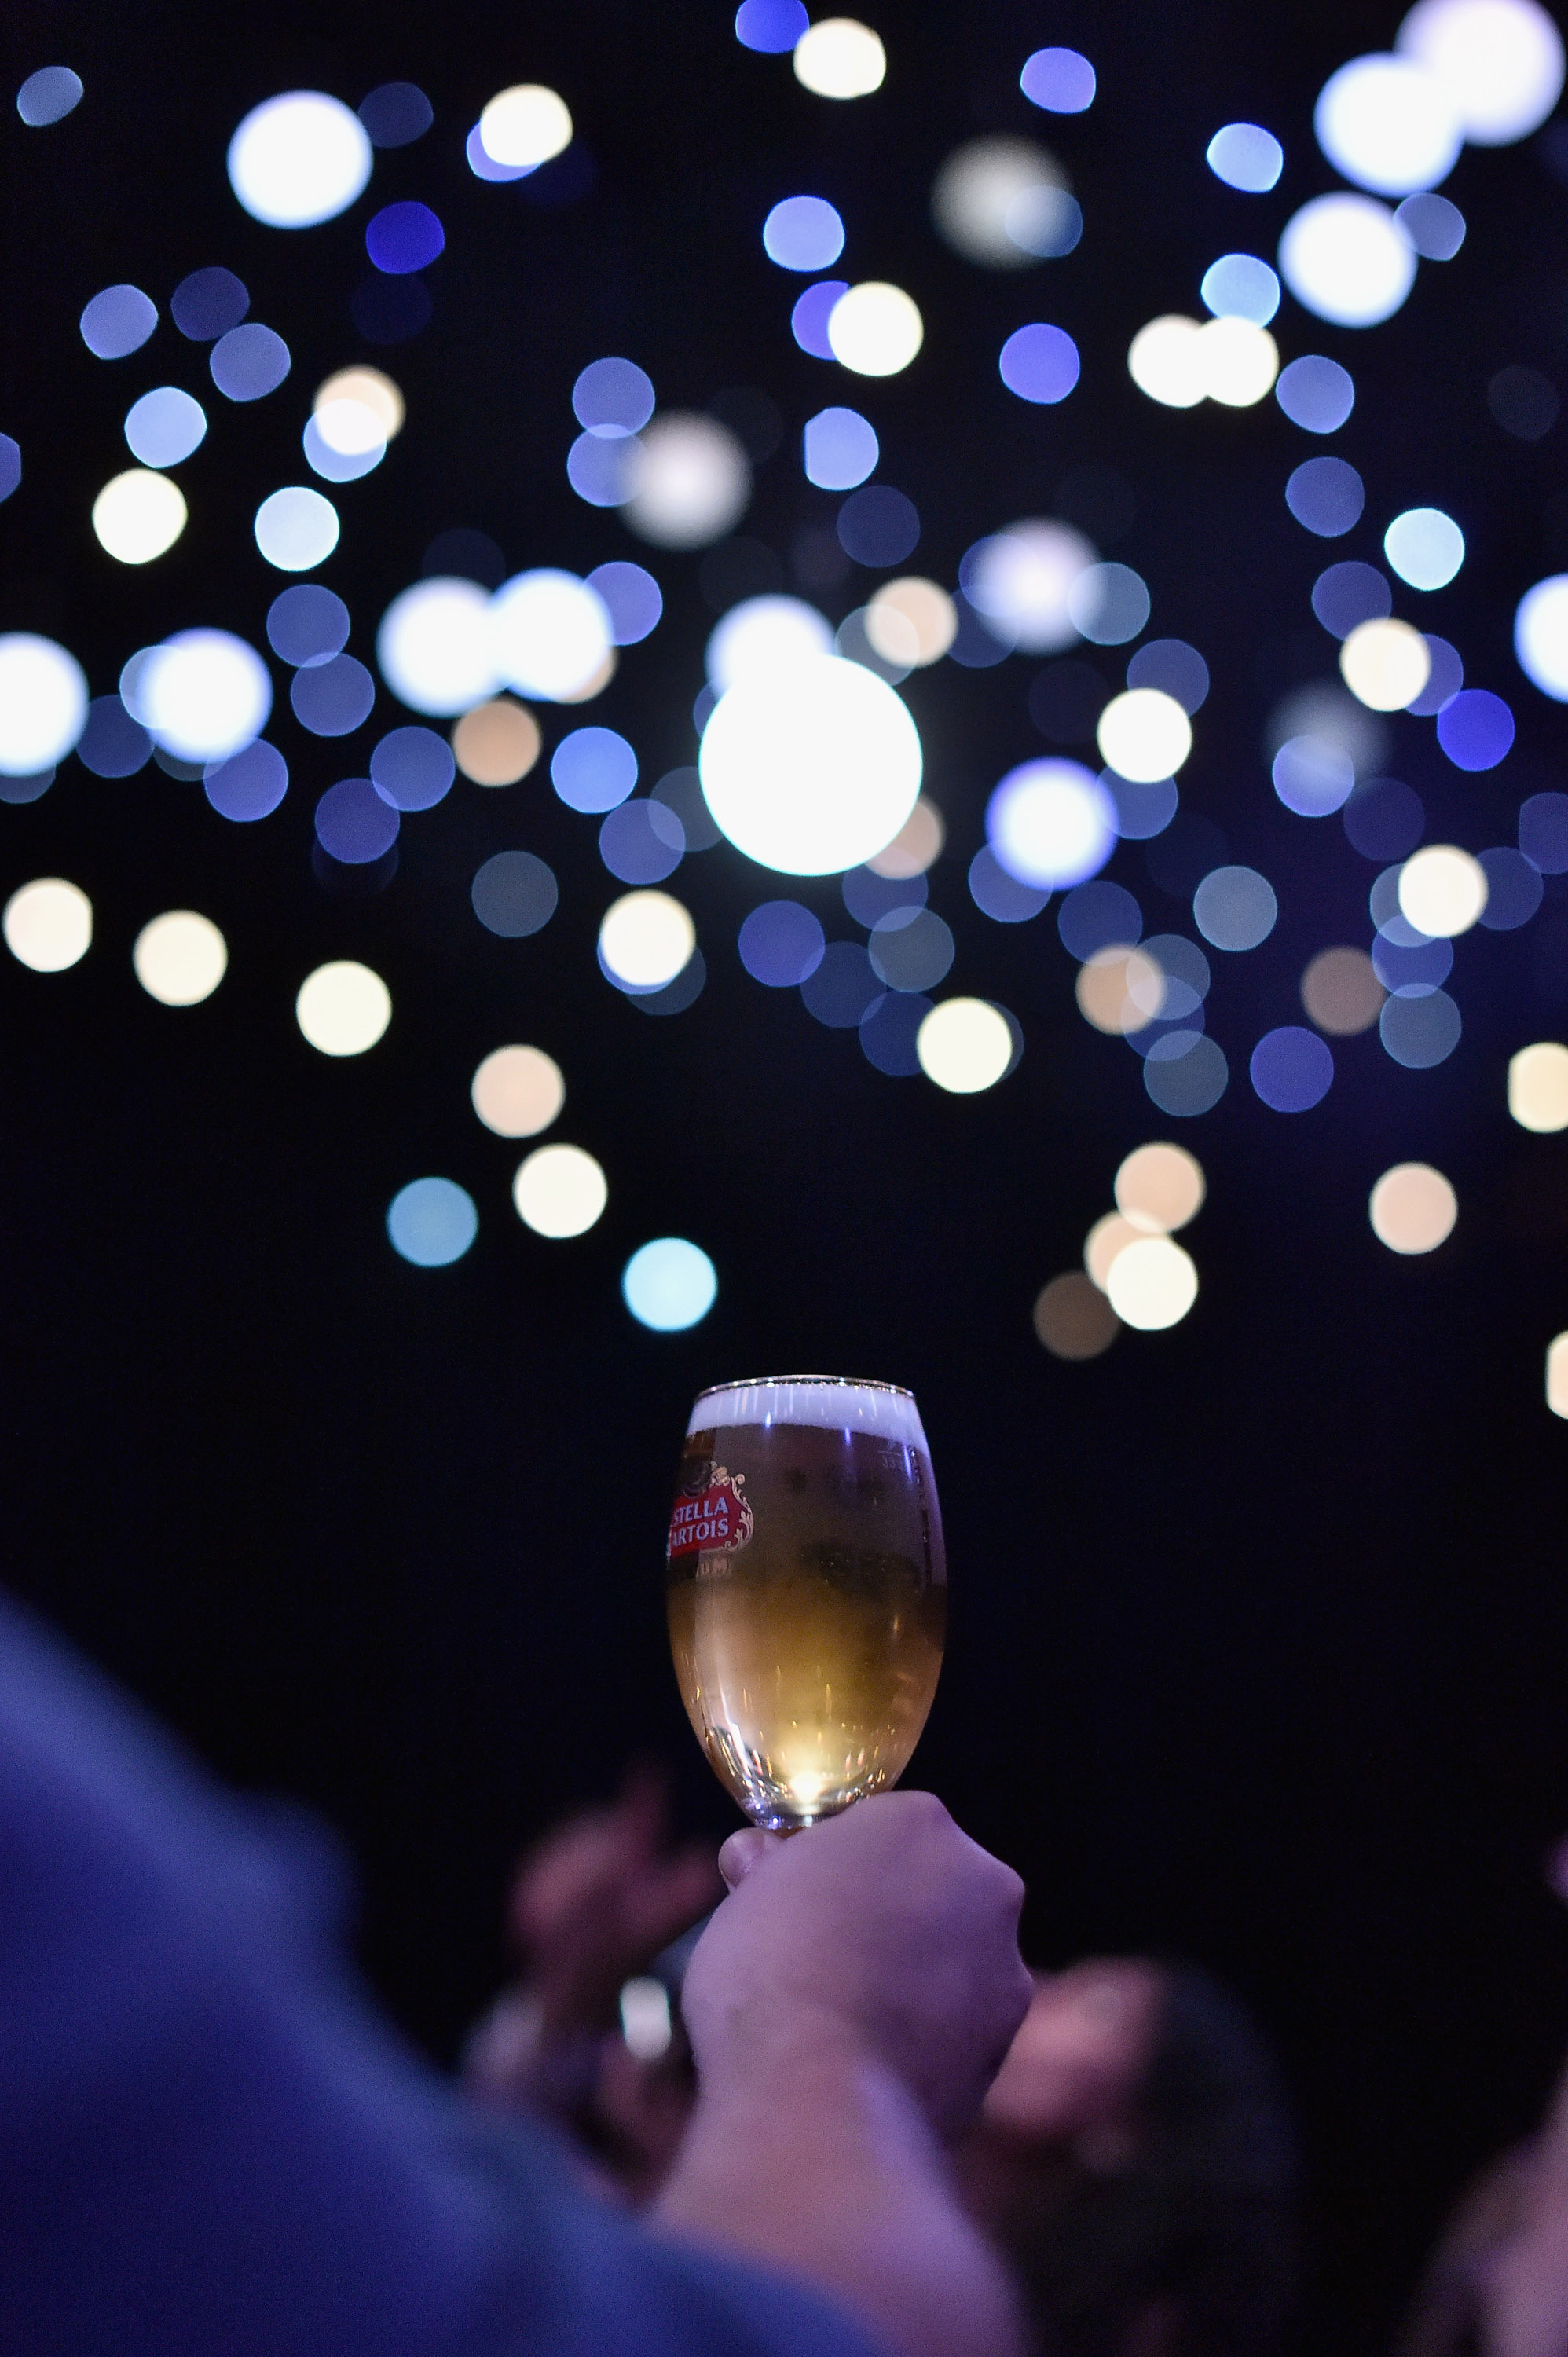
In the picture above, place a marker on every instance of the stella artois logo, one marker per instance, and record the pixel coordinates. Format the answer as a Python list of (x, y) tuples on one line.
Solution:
[(710, 1510)]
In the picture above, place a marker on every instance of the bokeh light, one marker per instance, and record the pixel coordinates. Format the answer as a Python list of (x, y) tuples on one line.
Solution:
[(117, 322), (1159, 1188), (1540, 636), (431, 1222), (1152, 1284), (1385, 664), (689, 482), (1499, 62), (412, 769), (1442, 889), (1073, 1319), (525, 125), (1419, 1028), (208, 303), (1119, 990), (874, 330), (1557, 1374), (802, 233), (1039, 364), (43, 703), (49, 96), (332, 699), (249, 362), (1241, 287), (1108, 1236), (1186, 1073), (308, 624), (1020, 582), (1412, 1207), (497, 743), (343, 1007), (405, 237), (249, 785), (396, 113), (517, 1092), (669, 1284), (840, 58), (1425, 547), (1167, 360), (763, 638), (1235, 908), (1315, 393), (1144, 735), (1311, 776), (965, 1045), (164, 426), (296, 528), (1341, 992), (1475, 728), (840, 449), (911, 622), (592, 770), (1326, 496), (433, 647), (1060, 81), (137, 515), (632, 598), (47, 924), (355, 407), (1051, 824), (1096, 915), (559, 1191), (1246, 157), (771, 26), (354, 823), (550, 634), (1292, 1069), (202, 694), (645, 940), (781, 943), (1003, 203), (1537, 1086), (299, 159), (1240, 358), (1389, 124), (514, 894), (1346, 259), (812, 770), (180, 958), (613, 398)]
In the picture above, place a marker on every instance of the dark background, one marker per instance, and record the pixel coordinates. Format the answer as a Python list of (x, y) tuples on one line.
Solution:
[(1259, 1642)]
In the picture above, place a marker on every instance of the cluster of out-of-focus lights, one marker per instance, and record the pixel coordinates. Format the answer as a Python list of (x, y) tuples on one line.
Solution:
[(1441, 890), (1412, 1207), (669, 1285), (1119, 990), (343, 1007), (47, 924), (525, 125), (1499, 61), (1385, 663), (1347, 259), (965, 1045), (431, 1223), (139, 514), (1537, 1086), (840, 58), (299, 159), (43, 703), (550, 634), (1020, 582), (1181, 361), (1050, 824), (1129, 1258), (646, 938), (518, 1091), (811, 770), (874, 329), (559, 1191), (180, 958)]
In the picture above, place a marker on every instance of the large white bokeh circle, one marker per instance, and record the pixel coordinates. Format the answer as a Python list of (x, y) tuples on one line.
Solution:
[(1540, 636), (433, 647), (299, 159), (1499, 60), (1347, 259), (1389, 124), (43, 703), (549, 633), (203, 695), (812, 772)]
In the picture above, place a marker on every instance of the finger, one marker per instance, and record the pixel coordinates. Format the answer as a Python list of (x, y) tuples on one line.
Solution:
[(742, 1854)]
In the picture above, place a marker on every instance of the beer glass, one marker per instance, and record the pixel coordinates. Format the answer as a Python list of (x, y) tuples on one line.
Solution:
[(807, 1591)]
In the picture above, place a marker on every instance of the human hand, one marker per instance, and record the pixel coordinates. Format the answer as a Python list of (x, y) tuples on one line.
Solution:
[(883, 1932), (599, 1897)]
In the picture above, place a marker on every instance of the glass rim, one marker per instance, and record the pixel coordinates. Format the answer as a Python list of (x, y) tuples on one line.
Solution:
[(801, 1382)]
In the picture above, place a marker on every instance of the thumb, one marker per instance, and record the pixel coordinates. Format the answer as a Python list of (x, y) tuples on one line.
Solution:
[(742, 1854)]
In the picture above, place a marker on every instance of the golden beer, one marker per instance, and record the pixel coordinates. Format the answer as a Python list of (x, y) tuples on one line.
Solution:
[(807, 1591)]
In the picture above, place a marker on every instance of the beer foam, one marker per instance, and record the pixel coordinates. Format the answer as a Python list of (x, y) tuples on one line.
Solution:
[(832, 1403)]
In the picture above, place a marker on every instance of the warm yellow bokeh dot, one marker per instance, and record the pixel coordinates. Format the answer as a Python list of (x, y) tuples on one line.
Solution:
[(1105, 1239), (180, 958), (875, 329), (1537, 1086), (343, 1008), (497, 743), (370, 390), (560, 1190), (1073, 1319), (1385, 664), (1159, 1188), (1557, 1374), (47, 925), (911, 622), (647, 939), (964, 1045), (518, 1091), (1341, 992), (138, 515), (1119, 990), (1152, 1284), (1442, 889), (1412, 1207), (840, 58)]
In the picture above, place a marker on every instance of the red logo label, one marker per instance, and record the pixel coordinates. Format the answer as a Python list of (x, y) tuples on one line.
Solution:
[(716, 1515)]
